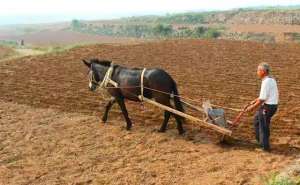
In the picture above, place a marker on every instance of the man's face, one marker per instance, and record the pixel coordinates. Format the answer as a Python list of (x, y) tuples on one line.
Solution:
[(261, 73)]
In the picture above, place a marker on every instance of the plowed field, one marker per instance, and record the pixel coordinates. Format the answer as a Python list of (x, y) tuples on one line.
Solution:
[(50, 129)]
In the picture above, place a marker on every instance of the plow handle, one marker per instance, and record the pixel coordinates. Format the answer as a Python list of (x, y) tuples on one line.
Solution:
[(237, 119)]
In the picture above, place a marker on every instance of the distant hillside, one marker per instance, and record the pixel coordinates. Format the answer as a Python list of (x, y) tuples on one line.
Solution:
[(272, 15), (282, 17), (263, 24), (213, 24)]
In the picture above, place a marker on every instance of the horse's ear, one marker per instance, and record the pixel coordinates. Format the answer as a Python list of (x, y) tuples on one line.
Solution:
[(86, 63)]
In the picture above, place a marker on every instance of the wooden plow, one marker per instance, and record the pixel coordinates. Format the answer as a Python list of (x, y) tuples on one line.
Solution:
[(214, 120)]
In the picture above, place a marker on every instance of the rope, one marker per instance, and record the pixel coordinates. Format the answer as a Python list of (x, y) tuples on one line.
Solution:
[(181, 97), (171, 94), (107, 79)]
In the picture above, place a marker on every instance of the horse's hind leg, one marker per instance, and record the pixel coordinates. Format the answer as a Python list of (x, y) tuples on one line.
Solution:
[(163, 127), (179, 124), (107, 108), (162, 99), (125, 113)]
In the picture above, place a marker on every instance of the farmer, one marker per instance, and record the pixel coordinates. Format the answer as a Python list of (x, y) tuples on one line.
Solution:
[(266, 104)]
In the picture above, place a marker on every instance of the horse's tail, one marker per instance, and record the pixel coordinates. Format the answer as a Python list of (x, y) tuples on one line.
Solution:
[(177, 102)]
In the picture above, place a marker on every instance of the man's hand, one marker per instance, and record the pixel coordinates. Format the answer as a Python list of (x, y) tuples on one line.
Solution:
[(254, 101), (237, 119), (250, 108), (254, 104)]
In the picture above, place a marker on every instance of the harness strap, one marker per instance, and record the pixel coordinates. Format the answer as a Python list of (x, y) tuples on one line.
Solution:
[(107, 78), (142, 84)]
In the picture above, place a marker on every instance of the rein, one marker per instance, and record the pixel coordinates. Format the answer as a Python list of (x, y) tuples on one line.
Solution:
[(107, 80)]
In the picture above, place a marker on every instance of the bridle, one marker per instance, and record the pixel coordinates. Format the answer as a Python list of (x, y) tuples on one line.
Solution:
[(106, 80), (92, 78)]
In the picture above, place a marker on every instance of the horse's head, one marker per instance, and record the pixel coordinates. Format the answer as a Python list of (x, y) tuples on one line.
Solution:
[(97, 71)]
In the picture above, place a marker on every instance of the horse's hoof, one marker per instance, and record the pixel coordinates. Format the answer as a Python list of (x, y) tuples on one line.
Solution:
[(161, 130), (104, 120), (181, 132)]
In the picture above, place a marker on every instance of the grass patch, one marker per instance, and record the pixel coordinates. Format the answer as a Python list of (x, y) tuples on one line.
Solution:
[(9, 43), (275, 179), (56, 48)]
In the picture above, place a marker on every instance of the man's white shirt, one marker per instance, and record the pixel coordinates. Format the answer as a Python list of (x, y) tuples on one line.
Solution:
[(269, 91)]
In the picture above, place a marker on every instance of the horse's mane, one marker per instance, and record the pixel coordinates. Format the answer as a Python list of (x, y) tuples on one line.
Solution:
[(102, 62)]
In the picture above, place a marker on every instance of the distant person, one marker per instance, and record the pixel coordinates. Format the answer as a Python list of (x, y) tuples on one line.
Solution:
[(266, 104), (22, 42)]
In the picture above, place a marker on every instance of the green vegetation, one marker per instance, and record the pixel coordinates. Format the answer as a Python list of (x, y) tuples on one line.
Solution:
[(9, 43), (9, 52), (181, 18), (55, 49), (155, 30), (201, 17), (182, 25), (162, 30), (212, 33), (274, 179), (76, 24), (281, 181)]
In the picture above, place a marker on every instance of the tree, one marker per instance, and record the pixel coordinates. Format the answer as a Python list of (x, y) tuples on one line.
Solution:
[(163, 30), (212, 33), (76, 24), (199, 31)]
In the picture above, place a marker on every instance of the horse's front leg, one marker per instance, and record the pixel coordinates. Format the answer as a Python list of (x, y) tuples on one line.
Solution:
[(107, 108), (125, 113)]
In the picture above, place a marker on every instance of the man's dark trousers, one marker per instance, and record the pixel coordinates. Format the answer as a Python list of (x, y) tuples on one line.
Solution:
[(262, 122)]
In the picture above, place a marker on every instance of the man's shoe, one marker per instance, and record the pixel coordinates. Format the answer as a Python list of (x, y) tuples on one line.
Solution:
[(262, 150)]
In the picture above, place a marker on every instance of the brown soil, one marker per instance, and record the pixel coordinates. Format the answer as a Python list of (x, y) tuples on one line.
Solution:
[(51, 131), (6, 52)]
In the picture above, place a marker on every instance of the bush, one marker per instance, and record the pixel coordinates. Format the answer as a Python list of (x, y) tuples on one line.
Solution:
[(163, 30), (212, 33)]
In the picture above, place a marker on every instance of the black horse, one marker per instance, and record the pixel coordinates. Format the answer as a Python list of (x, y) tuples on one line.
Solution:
[(129, 87)]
